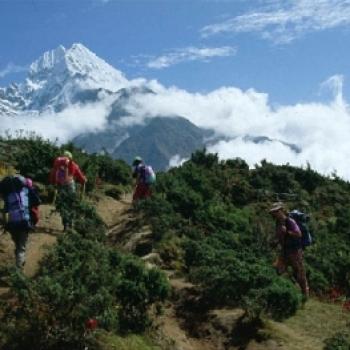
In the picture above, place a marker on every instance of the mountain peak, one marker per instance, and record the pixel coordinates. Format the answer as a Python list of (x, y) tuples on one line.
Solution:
[(79, 62), (47, 61)]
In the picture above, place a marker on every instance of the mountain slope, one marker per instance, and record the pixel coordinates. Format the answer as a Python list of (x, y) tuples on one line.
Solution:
[(161, 139)]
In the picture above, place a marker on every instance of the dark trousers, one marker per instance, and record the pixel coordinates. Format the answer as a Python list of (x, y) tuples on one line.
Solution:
[(295, 259), (20, 238)]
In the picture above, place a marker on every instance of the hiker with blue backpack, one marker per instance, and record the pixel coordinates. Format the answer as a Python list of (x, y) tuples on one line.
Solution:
[(292, 242), (20, 211), (145, 177)]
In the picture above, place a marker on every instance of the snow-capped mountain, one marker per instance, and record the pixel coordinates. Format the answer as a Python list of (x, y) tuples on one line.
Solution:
[(62, 78), (75, 93), (59, 78)]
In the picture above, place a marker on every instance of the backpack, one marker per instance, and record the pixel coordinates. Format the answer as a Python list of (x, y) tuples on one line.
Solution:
[(11, 184), (301, 219), (16, 197), (61, 171), (34, 202), (150, 176)]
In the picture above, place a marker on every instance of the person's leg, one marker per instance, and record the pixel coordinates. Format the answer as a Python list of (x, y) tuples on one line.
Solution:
[(20, 239), (137, 193), (148, 191), (296, 260), (280, 265), (64, 204)]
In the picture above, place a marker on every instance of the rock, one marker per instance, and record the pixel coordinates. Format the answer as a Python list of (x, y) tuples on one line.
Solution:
[(153, 258)]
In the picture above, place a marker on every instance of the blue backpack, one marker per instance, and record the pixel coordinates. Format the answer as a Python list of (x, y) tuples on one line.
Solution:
[(17, 205), (301, 219), (150, 176)]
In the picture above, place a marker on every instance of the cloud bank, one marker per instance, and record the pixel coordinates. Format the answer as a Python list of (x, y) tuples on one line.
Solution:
[(63, 126), (320, 130), (284, 21)]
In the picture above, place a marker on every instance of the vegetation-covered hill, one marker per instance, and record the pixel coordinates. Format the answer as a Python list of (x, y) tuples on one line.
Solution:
[(210, 220), (210, 224)]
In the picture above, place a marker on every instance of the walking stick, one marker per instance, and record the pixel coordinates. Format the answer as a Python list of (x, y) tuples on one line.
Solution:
[(83, 191), (54, 197)]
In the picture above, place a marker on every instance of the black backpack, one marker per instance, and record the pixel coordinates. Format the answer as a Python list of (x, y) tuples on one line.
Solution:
[(302, 219)]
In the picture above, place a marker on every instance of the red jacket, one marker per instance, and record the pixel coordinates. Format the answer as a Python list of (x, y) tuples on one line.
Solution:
[(72, 169)]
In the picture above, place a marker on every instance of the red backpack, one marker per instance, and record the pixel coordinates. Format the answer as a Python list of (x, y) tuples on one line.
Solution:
[(61, 171)]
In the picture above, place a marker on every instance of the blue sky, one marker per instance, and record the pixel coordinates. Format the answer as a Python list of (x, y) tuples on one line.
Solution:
[(283, 48)]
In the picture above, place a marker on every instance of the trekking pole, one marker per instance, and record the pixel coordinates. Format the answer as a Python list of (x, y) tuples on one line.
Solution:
[(83, 191), (54, 197)]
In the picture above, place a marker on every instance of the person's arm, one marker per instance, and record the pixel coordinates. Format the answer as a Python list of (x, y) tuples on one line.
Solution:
[(135, 173), (52, 176), (6, 208), (5, 212), (34, 198), (78, 174), (293, 229)]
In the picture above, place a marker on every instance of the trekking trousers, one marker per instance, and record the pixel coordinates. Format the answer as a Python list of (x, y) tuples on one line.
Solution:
[(295, 259), (20, 238), (65, 199), (142, 191)]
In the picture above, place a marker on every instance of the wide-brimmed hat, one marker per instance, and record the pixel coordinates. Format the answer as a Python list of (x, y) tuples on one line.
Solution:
[(276, 207)]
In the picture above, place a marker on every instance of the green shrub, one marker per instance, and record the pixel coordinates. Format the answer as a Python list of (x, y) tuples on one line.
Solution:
[(281, 299), (338, 342), (80, 279), (34, 157)]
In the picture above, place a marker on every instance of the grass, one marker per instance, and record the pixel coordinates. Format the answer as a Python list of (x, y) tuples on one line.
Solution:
[(108, 341), (311, 325)]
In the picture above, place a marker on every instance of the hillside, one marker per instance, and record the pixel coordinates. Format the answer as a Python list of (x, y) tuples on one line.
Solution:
[(161, 139), (206, 229)]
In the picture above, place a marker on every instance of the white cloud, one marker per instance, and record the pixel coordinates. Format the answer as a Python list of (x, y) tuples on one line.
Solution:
[(191, 53), (12, 68), (283, 21), (321, 130), (63, 126), (176, 161)]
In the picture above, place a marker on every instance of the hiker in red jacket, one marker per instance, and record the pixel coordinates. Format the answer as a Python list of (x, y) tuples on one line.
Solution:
[(64, 174), (65, 171), (289, 237)]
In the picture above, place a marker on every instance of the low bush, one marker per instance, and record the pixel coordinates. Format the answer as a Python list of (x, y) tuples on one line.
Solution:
[(338, 342)]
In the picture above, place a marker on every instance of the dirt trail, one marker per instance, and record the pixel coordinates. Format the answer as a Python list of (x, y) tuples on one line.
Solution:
[(50, 227), (44, 236)]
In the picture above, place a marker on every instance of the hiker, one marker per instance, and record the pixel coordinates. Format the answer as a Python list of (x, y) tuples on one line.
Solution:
[(145, 177), (63, 175), (21, 212), (289, 237)]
